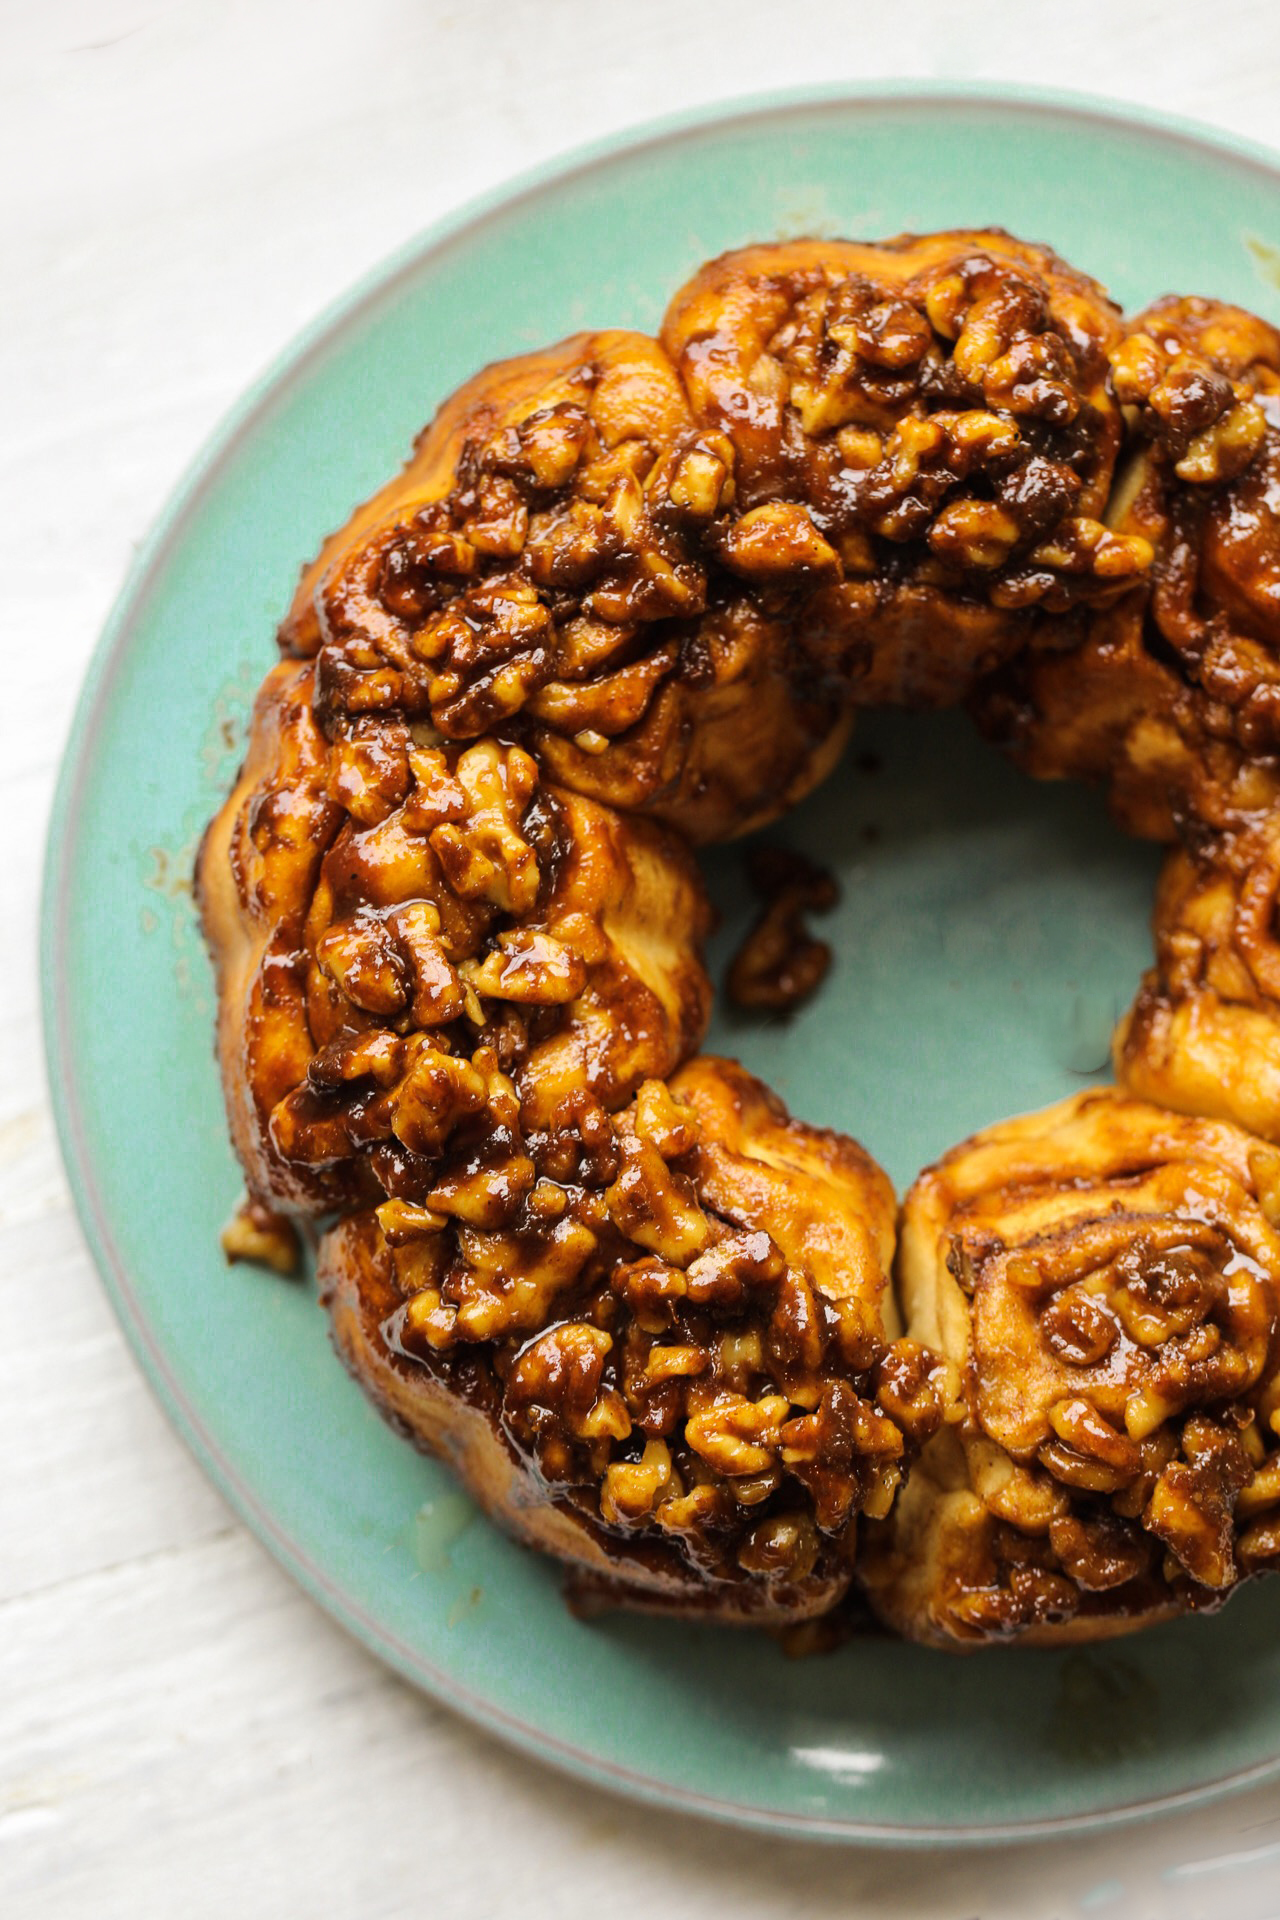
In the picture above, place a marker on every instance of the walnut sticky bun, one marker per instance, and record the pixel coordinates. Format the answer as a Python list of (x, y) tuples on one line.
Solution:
[(625, 599), (675, 1362), (1104, 1277), (546, 562), (928, 429), (1172, 696), (421, 945), (1203, 1034)]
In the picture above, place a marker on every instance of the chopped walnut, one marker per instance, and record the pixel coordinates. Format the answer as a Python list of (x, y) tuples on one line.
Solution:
[(785, 1544), (777, 542), (364, 959), (780, 964), (1191, 1508), (652, 1203), (631, 1489), (529, 967), (558, 1384), (370, 775), (260, 1233), (487, 858), (1210, 425), (437, 1093), (736, 1436)]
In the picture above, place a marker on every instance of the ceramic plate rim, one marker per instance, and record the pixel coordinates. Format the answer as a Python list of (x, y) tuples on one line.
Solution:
[(109, 654)]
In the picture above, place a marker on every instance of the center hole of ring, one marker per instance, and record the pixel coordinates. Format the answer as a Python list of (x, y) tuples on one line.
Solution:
[(990, 931)]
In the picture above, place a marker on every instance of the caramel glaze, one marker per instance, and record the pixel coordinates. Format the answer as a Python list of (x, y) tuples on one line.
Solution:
[(705, 1397), (625, 598), (1105, 1277), (939, 410)]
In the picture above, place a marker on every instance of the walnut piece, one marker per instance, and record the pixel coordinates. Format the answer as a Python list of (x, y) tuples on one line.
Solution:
[(779, 964)]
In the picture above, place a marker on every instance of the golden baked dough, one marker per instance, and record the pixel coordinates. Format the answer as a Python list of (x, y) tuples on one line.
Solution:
[(1203, 1035), (625, 598), (1103, 1277)]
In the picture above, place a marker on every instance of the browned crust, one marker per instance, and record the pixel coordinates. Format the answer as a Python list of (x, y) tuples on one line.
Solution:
[(251, 905)]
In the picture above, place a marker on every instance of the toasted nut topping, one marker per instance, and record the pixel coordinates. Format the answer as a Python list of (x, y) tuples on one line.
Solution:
[(775, 542), (491, 860)]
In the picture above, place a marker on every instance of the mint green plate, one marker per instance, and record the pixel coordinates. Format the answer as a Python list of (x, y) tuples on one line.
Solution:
[(989, 933)]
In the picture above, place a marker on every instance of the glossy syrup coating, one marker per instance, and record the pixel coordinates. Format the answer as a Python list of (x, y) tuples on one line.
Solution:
[(687, 1388), (1172, 698), (543, 564), (1104, 1275), (924, 428), (625, 598), (413, 941)]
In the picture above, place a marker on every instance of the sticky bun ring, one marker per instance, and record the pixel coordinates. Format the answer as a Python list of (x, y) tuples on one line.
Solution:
[(625, 599)]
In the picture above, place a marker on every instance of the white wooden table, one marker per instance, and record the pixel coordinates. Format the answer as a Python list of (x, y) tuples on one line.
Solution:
[(181, 186)]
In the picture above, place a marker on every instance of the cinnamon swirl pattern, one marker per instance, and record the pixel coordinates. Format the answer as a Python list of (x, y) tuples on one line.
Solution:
[(625, 599), (1103, 1276)]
